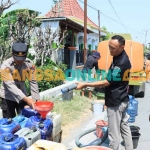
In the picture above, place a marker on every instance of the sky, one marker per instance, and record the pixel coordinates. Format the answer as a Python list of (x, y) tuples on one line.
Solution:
[(118, 16)]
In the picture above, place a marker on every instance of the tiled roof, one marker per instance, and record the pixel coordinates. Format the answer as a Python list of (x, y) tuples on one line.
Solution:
[(69, 9)]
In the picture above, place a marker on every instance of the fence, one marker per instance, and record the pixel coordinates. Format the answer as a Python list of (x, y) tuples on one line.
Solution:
[(79, 57)]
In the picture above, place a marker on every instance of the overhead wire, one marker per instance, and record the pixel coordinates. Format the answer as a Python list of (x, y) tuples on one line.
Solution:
[(120, 23), (118, 16), (111, 18), (109, 21), (89, 5)]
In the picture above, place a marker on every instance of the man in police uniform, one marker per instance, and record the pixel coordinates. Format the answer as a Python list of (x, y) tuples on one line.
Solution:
[(116, 97), (14, 71)]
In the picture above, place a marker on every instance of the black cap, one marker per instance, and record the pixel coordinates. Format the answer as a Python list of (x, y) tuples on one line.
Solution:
[(97, 55), (19, 51)]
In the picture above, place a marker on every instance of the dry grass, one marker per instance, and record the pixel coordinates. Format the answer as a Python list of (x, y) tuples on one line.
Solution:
[(71, 110)]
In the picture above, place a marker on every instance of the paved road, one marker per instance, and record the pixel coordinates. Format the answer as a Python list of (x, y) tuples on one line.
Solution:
[(142, 121)]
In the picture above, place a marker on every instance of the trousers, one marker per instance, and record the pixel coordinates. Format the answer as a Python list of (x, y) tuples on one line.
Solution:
[(118, 125), (10, 108)]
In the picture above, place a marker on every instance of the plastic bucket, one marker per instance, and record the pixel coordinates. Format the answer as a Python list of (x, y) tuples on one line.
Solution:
[(67, 95), (135, 135), (135, 139), (96, 102), (98, 109), (134, 129), (99, 125), (97, 148)]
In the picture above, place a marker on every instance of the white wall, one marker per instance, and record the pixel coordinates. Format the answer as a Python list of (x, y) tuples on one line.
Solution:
[(54, 24), (92, 39)]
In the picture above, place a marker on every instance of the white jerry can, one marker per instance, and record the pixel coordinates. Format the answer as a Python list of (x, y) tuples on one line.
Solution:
[(48, 145), (57, 120), (1, 114), (30, 135)]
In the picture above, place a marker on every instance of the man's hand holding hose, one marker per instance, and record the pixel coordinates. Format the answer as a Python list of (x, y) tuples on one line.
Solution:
[(81, 85)]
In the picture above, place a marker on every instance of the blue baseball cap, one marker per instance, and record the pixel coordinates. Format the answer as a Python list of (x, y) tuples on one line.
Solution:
[(96, 54)]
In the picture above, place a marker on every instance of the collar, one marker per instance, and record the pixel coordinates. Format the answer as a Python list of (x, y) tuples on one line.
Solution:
[(13, 62), (122, 53)]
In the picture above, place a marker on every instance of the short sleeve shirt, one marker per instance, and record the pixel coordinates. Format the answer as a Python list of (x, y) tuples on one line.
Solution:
[(118, 77), (90, 63)]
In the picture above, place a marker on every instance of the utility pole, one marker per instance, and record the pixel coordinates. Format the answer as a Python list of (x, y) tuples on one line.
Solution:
[(99, 25), (85, 29), (148, 47), (145, 37)]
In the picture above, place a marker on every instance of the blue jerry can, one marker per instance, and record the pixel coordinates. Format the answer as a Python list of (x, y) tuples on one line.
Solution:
[(21, 120), (28, 112), (131, 111), (45, 126), (8, 141), (8, 126), (135, 103)]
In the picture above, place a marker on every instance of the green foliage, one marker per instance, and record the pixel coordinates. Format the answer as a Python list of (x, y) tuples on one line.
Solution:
[(50, 79), (48, 76), (44, 85), (11, 19), (146, 49), (107, 37), (7, 49), (10, 25), (54, 45), (27, 85), (16, 11), (13, 16), (125, 35), (63, 66), (4, 32), (0, 81), (31, 57)]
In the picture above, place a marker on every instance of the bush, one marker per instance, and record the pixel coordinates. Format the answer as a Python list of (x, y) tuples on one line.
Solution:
[(48, 76)]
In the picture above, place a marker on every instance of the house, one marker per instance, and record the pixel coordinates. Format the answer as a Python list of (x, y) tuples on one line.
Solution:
[(69, 15)]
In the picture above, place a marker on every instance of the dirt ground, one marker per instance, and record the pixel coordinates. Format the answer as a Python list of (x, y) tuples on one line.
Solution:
[(68, 128)]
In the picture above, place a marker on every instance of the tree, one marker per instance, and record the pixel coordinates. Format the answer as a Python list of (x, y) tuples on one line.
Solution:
[(107, 37), (22, 25), (16, 26), (43, 44), (6, 4), (4, 29)]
